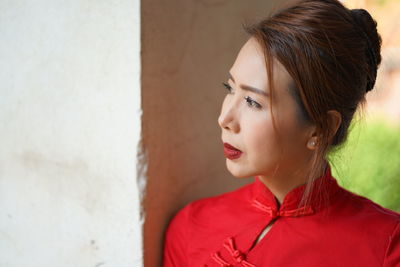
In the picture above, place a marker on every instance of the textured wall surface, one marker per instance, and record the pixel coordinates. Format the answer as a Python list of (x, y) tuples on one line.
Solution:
[(188, 48), (69, 133)]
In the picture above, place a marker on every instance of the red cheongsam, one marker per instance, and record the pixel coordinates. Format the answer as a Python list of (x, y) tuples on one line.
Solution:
[(337, 228)]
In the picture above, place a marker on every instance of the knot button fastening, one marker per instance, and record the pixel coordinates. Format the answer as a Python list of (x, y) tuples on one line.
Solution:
[(239, 257), (274, 213), (236, 254)]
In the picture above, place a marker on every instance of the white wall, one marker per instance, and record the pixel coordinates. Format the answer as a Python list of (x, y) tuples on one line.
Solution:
[(69, 133)]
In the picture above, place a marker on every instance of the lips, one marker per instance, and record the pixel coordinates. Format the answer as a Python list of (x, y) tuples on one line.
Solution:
[(231, 152)]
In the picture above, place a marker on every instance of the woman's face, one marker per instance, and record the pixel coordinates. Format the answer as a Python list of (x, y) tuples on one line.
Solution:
[(246, 120)]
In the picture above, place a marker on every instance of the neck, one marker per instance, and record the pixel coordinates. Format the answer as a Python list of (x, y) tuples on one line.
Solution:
[(281, 183)]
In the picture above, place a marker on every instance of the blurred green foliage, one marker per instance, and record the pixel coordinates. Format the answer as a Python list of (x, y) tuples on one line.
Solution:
[(368, 163)]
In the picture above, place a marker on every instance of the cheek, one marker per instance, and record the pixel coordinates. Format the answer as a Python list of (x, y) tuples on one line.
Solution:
[(259, 136), (293, 133), (262, 139)]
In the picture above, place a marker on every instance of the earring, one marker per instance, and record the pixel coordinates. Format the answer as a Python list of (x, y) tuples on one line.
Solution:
[(312, 143)]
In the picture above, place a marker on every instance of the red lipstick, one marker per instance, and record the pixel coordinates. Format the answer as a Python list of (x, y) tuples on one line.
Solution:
[(231, 152)]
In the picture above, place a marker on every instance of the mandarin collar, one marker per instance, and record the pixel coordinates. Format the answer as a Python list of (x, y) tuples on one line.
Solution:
[(323, 190)]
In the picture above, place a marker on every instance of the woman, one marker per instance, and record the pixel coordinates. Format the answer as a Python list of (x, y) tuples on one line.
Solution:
[(292, 93)]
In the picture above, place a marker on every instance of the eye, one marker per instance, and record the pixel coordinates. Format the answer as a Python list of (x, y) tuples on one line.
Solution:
[(251, 102), (227, 86)]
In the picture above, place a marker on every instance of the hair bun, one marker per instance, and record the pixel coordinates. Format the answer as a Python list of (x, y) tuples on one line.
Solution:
[(368, 26)]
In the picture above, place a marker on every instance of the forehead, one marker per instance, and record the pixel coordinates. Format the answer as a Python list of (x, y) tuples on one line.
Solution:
[(249, 68)]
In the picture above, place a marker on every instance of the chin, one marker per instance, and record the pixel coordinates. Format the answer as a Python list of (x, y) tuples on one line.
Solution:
[(240, 175), (238, 171)]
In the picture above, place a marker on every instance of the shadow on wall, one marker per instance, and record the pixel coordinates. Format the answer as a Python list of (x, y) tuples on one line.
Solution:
[(187, 50)]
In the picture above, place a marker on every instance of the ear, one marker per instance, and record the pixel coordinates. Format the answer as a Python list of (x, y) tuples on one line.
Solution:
[(334, 119), (312, 137)]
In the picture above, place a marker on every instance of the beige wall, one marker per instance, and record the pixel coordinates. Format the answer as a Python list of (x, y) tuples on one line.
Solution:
[(187, 50)]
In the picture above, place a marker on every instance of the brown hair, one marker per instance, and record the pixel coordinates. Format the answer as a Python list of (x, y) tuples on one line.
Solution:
[(332, 54)]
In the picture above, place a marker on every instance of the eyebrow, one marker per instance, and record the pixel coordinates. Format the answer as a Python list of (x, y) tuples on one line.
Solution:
[(249, 88)]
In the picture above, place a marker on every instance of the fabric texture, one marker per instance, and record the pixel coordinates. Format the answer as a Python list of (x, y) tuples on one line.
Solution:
[(336, 228)]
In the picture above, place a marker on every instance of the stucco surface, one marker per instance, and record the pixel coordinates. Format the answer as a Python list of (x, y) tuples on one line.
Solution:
[(69, 133)]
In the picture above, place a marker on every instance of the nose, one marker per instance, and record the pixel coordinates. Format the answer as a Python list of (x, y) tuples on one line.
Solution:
[(228, 119)]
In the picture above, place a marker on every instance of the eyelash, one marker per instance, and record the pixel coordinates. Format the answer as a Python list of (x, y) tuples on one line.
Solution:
[(249, 100)]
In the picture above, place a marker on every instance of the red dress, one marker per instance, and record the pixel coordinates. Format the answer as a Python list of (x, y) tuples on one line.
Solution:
[(344, 230)]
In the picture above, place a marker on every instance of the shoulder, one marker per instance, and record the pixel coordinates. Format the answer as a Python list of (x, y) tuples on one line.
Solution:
[(361, 214), (392, 253), (175, 239), (205, 212), (217, 204), (367, 210), (374, 224), (223, 204)]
